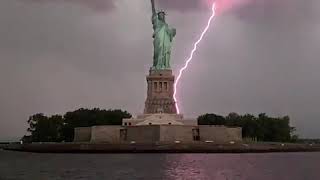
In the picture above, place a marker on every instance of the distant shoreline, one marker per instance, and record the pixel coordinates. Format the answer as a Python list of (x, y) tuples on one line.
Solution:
[(200, 147)]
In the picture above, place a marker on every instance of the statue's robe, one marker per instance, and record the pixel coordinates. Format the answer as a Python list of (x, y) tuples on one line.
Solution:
[(163, 36)]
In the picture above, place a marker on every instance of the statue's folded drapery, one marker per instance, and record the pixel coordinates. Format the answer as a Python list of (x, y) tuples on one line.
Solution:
[(163, 36)]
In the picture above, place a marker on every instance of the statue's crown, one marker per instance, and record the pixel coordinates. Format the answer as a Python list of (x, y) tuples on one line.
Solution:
[(162, 12)]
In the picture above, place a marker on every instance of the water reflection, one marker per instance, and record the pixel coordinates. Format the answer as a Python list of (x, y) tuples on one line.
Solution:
[(184, 167), (285, 166)]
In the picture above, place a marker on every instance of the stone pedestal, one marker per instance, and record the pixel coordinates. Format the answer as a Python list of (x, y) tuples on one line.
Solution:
[(160, 92)]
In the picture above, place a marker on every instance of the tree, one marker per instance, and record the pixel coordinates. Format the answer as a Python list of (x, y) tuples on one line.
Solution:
[(44, 129), (211, 119), (233, 119), (263, 127), (249, 125), (59, 128), (91, 117)]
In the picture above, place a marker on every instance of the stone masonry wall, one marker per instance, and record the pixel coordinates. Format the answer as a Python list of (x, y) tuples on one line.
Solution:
[(160, 92), (106, 134), (156, 133), (82, 134), (171, 133), (220, 134), (143, 134)]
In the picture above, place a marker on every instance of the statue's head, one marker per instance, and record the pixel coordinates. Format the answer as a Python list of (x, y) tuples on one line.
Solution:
[(162, 15)]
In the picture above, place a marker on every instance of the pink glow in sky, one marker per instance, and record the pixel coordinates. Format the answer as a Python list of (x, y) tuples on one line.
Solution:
[(225, 5), (191, 56)]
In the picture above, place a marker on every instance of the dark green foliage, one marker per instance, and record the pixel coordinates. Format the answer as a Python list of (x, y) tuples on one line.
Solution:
[(59, 128), (88, 118), (211, 119), (262, 128), (46, 129)]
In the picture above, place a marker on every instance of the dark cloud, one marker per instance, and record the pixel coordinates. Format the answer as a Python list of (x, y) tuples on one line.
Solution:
[(281, 12), (181, 5), (98, 5), (187, 5)]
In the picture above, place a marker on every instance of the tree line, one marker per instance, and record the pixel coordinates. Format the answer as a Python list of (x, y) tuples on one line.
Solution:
[(60, 128), (260, 128)]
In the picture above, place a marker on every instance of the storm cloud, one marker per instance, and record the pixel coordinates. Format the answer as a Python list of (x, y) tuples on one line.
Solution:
[(98, 5), (59, 56), (202, 5), (182, 5)]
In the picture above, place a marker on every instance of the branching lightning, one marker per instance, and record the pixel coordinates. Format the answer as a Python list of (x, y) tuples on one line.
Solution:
[(191, 56)]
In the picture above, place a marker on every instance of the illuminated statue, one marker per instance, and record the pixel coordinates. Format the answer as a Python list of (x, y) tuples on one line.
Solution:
[(163, 36)]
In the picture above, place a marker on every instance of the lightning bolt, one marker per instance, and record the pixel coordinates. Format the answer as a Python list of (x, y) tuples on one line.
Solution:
[(191, 56)]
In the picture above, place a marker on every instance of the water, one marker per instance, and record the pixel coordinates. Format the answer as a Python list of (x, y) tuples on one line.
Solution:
[(274, 166)]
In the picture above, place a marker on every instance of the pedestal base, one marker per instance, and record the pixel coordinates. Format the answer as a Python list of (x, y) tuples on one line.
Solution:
[(160, 92)]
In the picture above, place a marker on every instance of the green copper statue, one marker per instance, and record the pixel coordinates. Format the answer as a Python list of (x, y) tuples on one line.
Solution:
[(163, 36)]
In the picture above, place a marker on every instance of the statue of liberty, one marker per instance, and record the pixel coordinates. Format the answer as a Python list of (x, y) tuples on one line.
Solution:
[(163, 36)]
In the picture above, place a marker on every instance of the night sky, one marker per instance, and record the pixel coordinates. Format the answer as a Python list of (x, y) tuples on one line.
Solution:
[(60, 55)]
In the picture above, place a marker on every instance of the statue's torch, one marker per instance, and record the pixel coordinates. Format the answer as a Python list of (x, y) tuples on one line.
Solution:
[(153, 7)]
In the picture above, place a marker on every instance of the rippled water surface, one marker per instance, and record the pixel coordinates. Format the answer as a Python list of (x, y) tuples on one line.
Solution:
[(286, 166)]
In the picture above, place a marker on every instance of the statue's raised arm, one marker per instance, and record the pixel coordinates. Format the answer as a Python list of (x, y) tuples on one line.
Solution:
[(153, 7)]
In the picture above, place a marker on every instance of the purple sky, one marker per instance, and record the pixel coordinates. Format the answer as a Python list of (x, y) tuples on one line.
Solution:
[(56, 56)]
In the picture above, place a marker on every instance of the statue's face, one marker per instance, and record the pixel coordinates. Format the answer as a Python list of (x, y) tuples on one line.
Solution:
[(162, 16)]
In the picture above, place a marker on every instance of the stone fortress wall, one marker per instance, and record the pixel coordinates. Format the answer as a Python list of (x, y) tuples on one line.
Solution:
[(157, 133), (220, 133), (110, 134), (82, 134)]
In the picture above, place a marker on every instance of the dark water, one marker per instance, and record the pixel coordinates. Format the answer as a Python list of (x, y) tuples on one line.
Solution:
[(286, 166)]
